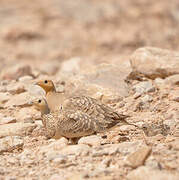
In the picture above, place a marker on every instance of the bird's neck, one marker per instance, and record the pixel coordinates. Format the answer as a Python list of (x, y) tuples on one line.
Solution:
[(45, 110)]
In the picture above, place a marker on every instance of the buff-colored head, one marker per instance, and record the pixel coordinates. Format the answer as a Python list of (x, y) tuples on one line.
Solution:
[(41, 105), (47, 85)]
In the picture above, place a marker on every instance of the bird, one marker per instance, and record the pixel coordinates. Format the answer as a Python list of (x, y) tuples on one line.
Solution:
[(72, 123), (54, 98), (48, 119)]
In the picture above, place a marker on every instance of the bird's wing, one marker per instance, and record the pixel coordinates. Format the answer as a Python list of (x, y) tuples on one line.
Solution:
[(95, 109), (77, 124)]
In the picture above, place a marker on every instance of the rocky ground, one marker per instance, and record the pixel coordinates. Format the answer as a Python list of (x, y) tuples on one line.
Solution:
[(103, 49)]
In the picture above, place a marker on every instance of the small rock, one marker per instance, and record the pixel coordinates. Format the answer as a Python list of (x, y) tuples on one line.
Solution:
[(138, 157), (174, 95), (155, 62), (6, 120), (57, 177), (4, 97), (21, 100), (123, 148), (57, 145), (80, 149), (25, 78), (36, 91), (27, 114), (143, 87), (15, 88), (127, 128), (16, 72), (50, 68), (16, 129), (71, 66), (90, 140), (172, 80), (59, 159), (150, 174), (175, 145), (147, 98), (152, 163), (9, 143)]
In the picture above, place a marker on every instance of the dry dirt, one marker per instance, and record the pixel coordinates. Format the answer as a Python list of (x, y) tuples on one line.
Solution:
[(67, 41)]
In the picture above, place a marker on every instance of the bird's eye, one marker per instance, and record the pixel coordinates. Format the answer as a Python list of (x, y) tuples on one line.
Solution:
[(40, 101), (45, 81)]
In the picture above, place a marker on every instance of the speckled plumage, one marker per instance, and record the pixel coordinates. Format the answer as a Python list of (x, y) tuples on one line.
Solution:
[(71, 122)]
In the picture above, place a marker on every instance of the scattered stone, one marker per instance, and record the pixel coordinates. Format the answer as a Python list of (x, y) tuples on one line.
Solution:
[(9, 143), (27, 114), (4, 97), (155, 129), (50, 68), (71, 66), (16, 129), (150, 174), (22, 100), (57, 177), (16, 88), (143, 87), (80, 149), (123, 148), (25, 78), (127, 128), (172, 80), (154, 62), (58, 159), (55, 146), (147, 98), (138, 157), (15, 72), (6, 120), (90, 140), (174, 95)]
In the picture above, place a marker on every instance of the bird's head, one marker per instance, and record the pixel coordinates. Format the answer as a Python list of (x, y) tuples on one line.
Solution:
[(47, 85), (41, 105)]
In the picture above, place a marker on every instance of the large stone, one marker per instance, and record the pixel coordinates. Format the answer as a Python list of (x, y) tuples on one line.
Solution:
[(154, 62), (10, 143), (6, 120), (138, 157), (22, 100), (80, 149), (27, 114), (16, 72), (16, 129), (105, 82), (90, 140), (150, 174)]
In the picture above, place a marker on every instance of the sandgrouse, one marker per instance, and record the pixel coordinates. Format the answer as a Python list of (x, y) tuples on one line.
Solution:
[(87, 108), (73, 123)]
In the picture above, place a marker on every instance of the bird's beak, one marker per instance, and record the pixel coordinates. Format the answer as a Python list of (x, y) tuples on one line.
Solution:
[(30, 103), (41, 84)]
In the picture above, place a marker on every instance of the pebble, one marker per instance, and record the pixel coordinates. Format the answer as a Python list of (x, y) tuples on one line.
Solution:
[(9, 143)]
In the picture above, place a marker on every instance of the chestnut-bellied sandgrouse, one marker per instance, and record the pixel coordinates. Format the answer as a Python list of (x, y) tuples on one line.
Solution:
[(73, 123)]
